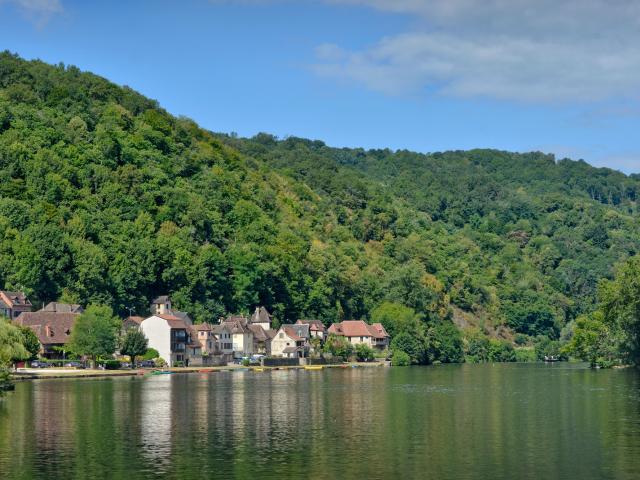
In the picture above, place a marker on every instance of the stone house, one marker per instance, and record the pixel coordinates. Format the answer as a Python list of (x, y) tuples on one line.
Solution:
[(358, 331), (291, 341), (12, 304)]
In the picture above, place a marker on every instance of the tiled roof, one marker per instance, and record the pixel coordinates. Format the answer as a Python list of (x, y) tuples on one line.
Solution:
[(237, 324), (358, 328), (202, 327), (173, 321), (50, 327), (314, 325), (160, 299), (296, 332), (14, 298), (261, 315), (62, 308)]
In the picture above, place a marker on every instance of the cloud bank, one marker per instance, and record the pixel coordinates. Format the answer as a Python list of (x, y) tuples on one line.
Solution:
[(532, 51)]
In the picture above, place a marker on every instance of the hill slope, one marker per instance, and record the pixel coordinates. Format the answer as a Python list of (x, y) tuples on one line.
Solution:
[(104, 197)]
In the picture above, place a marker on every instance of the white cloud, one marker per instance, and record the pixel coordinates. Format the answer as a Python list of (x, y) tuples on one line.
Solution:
[(539, 51), (37, 11)]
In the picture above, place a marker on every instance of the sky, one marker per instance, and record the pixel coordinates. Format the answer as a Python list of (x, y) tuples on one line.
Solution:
[(558, 76)]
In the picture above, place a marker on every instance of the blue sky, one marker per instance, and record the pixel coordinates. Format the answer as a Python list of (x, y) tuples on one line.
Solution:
[(427, 75)]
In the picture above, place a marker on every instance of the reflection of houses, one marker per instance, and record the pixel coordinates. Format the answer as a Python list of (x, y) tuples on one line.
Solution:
[(358, 331), (316, 328), (12, 304), (52, 328), (291, 341)]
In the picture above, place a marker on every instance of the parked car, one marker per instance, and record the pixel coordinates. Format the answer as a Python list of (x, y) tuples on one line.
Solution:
[(147, 364), (39, 364), (74, 365)]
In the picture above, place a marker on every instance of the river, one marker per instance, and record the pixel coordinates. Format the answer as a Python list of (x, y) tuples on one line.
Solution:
[(501, 421)]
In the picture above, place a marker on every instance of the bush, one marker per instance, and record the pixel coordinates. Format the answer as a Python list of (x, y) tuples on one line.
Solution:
[(412, 345), (160, 362), (521, 339), (338, 347), (445, 343), (151, 354), (525, 354), (400, 359), (364, 353), (501, 351), (246, 362), (112, 365)]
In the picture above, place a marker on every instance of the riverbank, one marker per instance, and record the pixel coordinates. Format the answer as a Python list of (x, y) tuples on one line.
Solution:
[(53, 373)]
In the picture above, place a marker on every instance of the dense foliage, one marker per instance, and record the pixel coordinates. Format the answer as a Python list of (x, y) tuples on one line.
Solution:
[(94, 333), (107, 199), (610, 335), (134, 344)]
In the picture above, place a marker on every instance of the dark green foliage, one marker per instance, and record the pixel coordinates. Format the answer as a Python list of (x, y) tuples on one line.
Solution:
[(134, 344), (412, 344), (106, 198), (444, 343)]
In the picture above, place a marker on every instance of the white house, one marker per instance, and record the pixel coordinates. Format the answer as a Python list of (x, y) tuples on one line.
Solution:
[(241, 336), (169, 335), (291, 341)]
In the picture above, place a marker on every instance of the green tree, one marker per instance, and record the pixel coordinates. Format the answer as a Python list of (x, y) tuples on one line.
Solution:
[(12, 347), (30, 342), (444, 343), (396, 318), (412, 345), (400, 359), (150, 354), (94, 333), (364, 353), (134, 344), (338, 346), (593, 341)]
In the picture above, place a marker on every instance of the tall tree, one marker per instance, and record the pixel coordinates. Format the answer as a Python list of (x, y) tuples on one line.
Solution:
[(94, 333), (134, 344)]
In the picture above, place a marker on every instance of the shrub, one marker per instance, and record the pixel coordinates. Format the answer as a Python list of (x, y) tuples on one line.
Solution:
[(246, 362), (151, 354), (521, 339), (400, 359), (364, 353), (444, 343), (501, 351), (412, 345), (525, 354), (160, 362), (112, 365)]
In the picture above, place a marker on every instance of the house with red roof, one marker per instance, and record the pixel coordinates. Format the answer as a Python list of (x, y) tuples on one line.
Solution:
[(291, 341), (358, 331)]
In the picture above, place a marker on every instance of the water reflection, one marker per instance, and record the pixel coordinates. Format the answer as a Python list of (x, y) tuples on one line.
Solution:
[(502, 421)]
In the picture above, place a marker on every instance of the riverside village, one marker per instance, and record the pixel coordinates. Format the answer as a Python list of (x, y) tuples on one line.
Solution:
[(177, 343)]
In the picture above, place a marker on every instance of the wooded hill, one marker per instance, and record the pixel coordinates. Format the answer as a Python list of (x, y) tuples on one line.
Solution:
[(106, 198)]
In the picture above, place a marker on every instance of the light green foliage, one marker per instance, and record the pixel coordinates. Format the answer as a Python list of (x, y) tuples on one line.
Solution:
[(525, 354), (134, 344), (338, 346), (396, 318), (364, 353), (400, 359), (94, 333), (107, 198), (12, 347), (150, 354), (30, 342)]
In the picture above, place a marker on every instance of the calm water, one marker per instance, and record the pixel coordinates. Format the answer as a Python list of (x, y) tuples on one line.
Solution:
[(457, 422)]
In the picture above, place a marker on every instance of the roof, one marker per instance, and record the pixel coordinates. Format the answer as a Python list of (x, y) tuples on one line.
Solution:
[(292, 349), (13, 299), (259, 333), (237, 324), (173, 321), (314, 325), (62, 307), (358, 328), (49, 327), (296, 332), (182, 316), (134, 319), (160, 299), (261, 315), (202, 327)]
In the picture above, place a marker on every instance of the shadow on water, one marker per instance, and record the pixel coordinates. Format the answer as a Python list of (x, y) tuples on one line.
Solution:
[(455, 421)]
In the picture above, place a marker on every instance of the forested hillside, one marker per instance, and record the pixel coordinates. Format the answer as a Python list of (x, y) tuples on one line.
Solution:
[(106, 198)]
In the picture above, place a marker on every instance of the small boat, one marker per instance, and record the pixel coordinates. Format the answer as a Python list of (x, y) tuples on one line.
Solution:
[(161, 372), (205, 371), (313, 367), (258, 369), (550, 358)]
